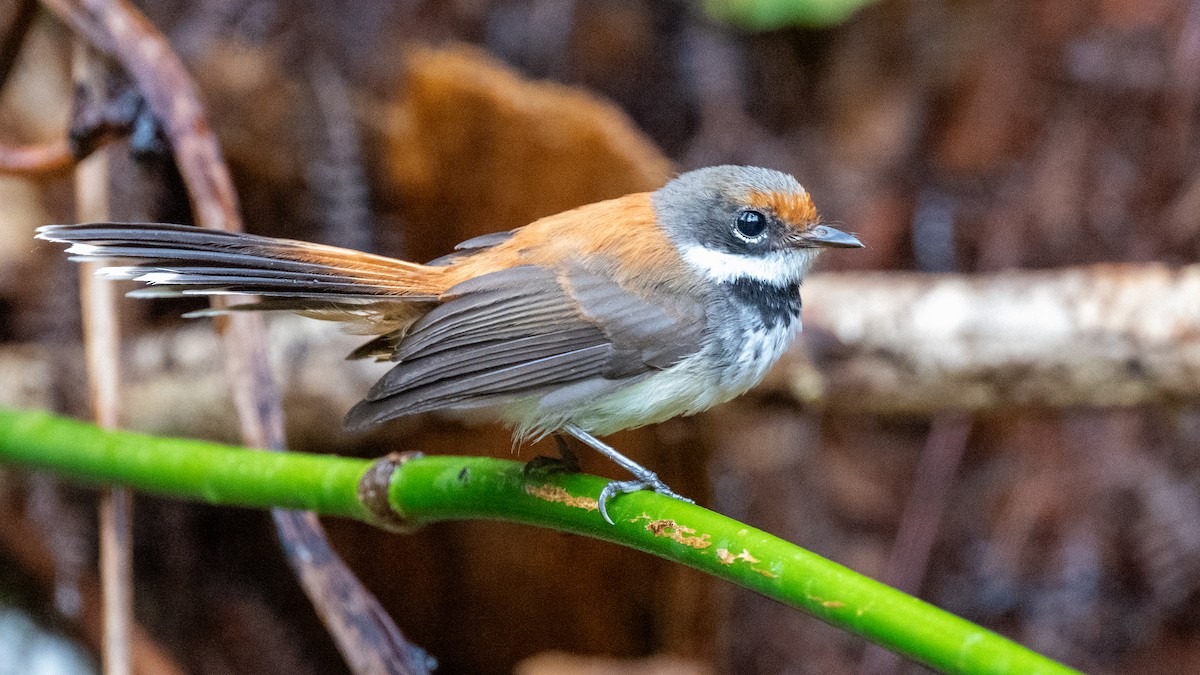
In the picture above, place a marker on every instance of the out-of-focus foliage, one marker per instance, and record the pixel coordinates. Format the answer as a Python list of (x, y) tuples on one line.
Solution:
[(773, 14)]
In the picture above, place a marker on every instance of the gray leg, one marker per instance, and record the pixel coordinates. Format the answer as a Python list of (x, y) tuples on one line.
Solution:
[(644, 479), (569, 460)]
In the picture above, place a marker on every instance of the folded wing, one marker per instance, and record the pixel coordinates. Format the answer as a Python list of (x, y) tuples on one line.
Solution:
[(523, 332)]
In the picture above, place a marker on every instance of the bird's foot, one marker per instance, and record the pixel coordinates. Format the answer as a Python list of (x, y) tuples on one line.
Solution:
[(644, 481), (544, 465), (643, 478), (566, 462)]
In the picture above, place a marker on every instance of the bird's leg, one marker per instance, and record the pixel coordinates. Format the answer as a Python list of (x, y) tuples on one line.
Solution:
[(644, 479), (569, 461), (566, 460)]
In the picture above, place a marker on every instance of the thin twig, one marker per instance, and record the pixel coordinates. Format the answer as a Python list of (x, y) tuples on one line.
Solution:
[(95, 122), (164, 82), (37, 160), (101, 333), (20, 20), (921, 520)]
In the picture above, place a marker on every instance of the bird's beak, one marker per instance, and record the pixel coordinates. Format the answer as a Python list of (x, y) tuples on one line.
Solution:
[(824, 236)]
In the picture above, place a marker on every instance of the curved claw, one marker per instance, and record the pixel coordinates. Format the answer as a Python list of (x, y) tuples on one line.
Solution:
[(643, 477), (648, 482)]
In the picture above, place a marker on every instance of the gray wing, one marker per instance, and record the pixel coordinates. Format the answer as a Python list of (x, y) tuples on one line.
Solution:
[(525, 331)]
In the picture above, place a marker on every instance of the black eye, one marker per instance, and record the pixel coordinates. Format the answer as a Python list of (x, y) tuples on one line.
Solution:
[(750, 225)]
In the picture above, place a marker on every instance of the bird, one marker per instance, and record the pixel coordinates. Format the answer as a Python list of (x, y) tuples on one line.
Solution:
[(609, 316)]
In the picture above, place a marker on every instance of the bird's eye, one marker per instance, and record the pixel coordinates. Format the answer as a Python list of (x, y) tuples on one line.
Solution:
[(750, 225)]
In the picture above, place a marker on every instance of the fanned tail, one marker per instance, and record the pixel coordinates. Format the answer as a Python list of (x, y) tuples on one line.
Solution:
[(374, 294), (184, 260)]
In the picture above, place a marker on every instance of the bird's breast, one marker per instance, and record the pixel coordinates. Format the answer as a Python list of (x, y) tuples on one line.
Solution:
[(765, 305), (753, 325), (756, 351), (722, 371)]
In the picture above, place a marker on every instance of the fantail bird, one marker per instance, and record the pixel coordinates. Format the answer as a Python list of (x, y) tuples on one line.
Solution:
[(610, 316)]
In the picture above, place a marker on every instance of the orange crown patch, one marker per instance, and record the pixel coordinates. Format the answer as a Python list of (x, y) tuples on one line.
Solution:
[(797, 209)]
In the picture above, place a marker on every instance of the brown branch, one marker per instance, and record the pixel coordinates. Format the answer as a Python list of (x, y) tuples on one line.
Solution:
[(920, 521), (102, 344), (91, 130), (38, 160), (164, 82), (16, 20), (95, 123)]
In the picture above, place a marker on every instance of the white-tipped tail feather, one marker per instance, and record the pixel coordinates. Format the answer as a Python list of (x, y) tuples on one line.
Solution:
[(182, 260)]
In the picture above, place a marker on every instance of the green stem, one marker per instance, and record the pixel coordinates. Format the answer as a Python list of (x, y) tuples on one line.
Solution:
[(764, 15), (429, 489), (186, 469)]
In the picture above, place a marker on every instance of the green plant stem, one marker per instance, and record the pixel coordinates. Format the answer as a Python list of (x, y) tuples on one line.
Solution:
[(182, 468), (763, 15), (430, 489)]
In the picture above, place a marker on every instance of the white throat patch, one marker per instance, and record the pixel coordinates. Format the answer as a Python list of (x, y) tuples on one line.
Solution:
[(776, 268)]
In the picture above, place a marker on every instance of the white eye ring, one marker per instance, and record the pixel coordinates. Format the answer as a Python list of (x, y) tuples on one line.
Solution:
[(750, 226)]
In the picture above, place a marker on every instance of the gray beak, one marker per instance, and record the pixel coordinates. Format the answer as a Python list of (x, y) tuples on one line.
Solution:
[(823, 236)]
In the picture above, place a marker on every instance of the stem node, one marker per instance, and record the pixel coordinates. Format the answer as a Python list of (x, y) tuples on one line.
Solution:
[(373, 490)]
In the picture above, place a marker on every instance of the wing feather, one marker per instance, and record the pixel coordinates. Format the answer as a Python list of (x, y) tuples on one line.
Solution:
[(472, 246), (527, 332), (483, 357), (509, 304), (482, 388)]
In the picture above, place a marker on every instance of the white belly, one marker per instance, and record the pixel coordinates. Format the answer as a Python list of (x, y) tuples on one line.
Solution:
[(694, 384)]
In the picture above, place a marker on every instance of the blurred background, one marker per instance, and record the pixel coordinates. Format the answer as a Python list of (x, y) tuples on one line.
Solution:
[(951, 136)]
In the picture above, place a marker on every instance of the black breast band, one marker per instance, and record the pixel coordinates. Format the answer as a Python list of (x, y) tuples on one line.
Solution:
[(775, 304)]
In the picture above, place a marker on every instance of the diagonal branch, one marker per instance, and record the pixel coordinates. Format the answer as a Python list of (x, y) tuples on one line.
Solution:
[(36, 161), (402, 491), (15, 23)]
